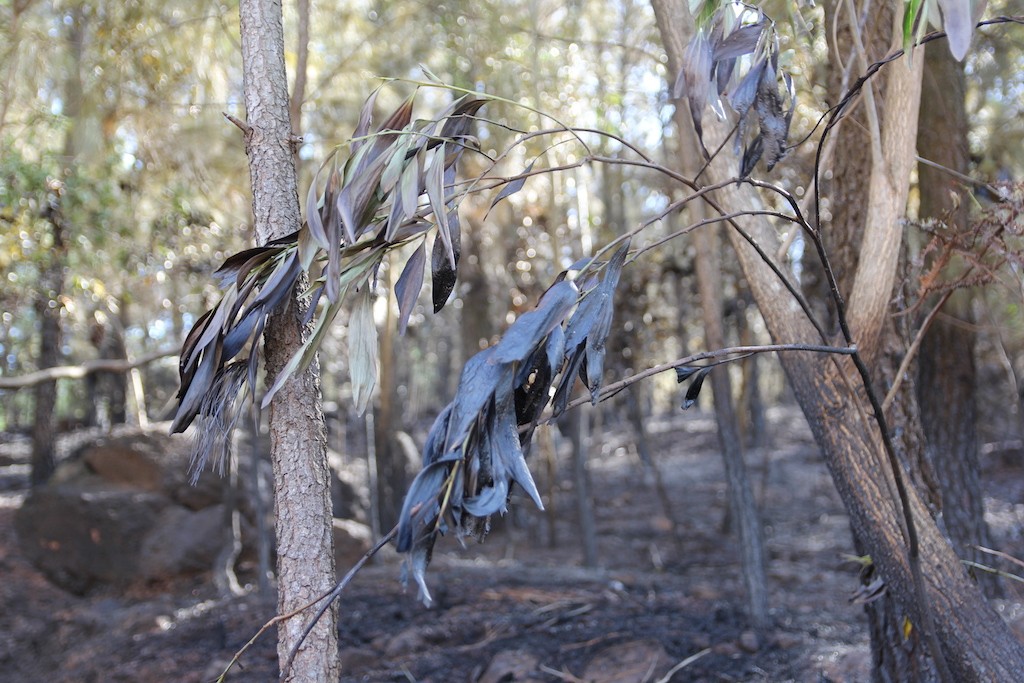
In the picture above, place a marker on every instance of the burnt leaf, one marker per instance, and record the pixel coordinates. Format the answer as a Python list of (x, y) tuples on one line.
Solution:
[(435, 195), (694, 81), (512, 187), (741, 41), (695, 386), (529, 329), (443, 275), (684, 372), (751, 155), (409, 284), (772, 119)]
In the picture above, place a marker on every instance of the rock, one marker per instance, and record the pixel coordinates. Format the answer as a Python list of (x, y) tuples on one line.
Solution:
[(182, 541), (78, 538), (133, 461), (749, 641), (351, 541), (633, 661), (511, 666)]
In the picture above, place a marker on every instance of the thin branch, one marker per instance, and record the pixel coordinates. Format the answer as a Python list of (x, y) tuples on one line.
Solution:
[(85, 369), (911, 353)]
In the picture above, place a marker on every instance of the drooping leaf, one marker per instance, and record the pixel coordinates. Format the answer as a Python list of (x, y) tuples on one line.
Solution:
[(772, 118), (512, 187), (363, 124), (435, 194), (362, 349), (407, 289), (958, 24), (693, 392), (478, 383), (684, 372), (742, 41), (201, 383), (695, 81), (741, 98), (529, 329), (565, 383), (313, 218), (443, 276)]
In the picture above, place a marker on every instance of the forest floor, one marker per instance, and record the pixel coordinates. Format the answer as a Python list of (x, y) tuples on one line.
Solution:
[(519, 609)]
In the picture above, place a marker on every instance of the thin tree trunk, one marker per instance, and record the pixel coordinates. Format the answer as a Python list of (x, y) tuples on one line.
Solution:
[(741, 497), (298, 442), (51, 280), (975, 642), (947, 378)]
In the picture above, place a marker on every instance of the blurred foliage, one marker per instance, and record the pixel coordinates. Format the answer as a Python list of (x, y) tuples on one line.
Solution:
[(156, 195)]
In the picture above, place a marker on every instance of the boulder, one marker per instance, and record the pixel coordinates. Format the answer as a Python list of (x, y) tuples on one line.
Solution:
[(182, 541), (79, 538)]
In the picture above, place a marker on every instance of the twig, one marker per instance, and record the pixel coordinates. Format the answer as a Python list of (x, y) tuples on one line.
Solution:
[(241, 125), (911, 353), (999, 553), (682, 665), (87, 368)]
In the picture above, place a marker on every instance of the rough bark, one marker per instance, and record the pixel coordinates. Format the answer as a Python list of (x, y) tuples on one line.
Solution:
[(305, 557), (947, 379), (975, 642)]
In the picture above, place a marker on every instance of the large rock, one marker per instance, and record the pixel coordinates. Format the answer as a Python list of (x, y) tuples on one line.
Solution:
[(182, 542), (123, 510), (81, 538)]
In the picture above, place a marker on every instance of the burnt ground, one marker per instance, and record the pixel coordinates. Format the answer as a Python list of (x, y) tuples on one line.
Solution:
[(518, 608)]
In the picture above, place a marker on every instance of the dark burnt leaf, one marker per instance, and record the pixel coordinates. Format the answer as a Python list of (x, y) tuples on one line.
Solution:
[(240, 332), (741, 98), (512, 187), (568, 379), (422, 505), (490, 500), (481, 379), (314, 301), (399, 119), (695, 81), (409, 284), (201, 382), (459, 123), (507, 454), (530, 329), (742, 41), (443, 276), (723, 75), (598, 335), (280, 284), (771, 117), (684, 372), (237, 266), (695, 386), (189, 346), (751, 155)]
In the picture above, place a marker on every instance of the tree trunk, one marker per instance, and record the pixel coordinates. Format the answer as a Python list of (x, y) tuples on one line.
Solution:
[(741, 496), (51, 278), (947, 380), (974, 640), (298, 442)]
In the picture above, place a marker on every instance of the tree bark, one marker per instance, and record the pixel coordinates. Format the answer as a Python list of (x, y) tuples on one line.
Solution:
[(298, 442), (947, 379), (975, 641)]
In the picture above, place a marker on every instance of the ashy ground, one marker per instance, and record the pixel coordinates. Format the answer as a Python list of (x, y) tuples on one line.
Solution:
[(665, 604)]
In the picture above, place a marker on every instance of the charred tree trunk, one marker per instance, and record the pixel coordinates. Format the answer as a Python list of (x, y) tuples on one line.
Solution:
[(298, 442), (947, 379)]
